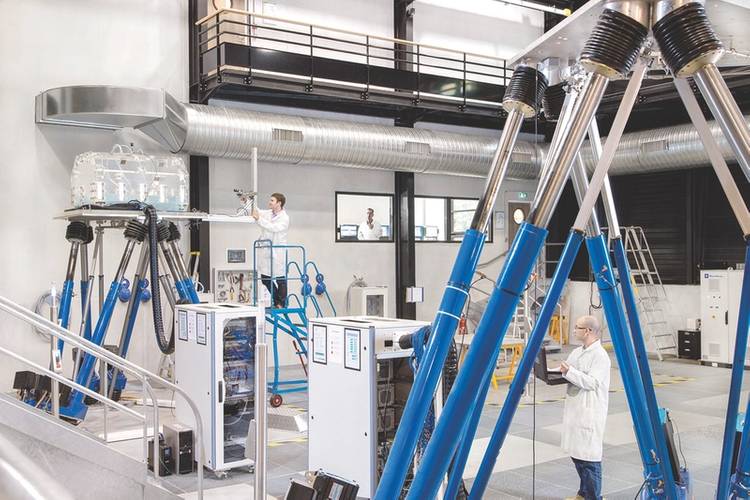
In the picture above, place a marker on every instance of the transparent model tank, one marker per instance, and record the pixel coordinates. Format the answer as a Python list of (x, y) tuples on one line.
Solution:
[(125, 174)]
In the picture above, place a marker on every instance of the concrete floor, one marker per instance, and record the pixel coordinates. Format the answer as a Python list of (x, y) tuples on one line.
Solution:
[(531, 464)]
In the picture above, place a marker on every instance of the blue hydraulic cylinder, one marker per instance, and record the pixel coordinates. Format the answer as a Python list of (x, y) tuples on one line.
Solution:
[(186, 290), (618, 328), (557, 285), (455, 475), (741, 481), (483, 352), (87, 319), (63, 313), (138, 291), (628, 297), (76, 408), (431, 367), (192, 294)]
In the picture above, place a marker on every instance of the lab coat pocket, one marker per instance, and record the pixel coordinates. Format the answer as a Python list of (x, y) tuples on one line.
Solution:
[(588, 415)]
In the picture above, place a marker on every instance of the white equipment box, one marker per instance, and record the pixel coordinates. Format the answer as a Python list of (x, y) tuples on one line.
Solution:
[(369, 301), (359, 382), (720, 305), (215, 365)]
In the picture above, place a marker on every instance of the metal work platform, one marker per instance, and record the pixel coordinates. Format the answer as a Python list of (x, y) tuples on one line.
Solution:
[(252, 57), (105, 215)]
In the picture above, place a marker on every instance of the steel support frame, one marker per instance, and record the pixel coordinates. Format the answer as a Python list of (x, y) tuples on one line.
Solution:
[(200, 233)]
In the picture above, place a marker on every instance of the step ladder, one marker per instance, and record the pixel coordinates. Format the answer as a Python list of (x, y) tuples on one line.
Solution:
[(651, 296)]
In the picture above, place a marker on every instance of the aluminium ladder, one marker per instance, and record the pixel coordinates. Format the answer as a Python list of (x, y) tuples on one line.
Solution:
[(650, 292)]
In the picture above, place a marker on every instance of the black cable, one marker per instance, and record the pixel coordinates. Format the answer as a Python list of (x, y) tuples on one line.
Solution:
[(679, 444), (166, 346), (640, 489), (593, 306)]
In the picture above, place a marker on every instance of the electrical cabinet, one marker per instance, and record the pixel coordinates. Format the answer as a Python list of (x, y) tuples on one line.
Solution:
[(369, 301), (359, 381), (215, 366), (720, 305)]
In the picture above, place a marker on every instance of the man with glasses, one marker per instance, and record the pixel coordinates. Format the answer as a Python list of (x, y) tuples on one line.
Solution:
[(585, 413)]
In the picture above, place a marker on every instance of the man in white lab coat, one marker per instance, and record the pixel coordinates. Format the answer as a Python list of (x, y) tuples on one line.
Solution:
[(274, 224), (586, 403), (370, 229)]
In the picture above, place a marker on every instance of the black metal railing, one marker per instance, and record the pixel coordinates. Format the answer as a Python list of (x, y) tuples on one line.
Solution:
[(232, 41)]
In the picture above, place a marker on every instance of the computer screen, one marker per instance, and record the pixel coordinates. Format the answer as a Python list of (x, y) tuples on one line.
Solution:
[(348, 231)]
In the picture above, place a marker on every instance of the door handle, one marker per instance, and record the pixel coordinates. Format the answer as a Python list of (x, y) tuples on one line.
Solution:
[(221, 392), (726, 317)]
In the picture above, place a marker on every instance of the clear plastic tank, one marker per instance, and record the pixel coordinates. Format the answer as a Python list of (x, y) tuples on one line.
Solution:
[(124, 175)]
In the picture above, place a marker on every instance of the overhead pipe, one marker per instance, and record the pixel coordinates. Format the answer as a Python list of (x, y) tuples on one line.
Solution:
[(232, 133)]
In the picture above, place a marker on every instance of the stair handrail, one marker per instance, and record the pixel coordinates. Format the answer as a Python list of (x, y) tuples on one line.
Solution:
[(146, 378)]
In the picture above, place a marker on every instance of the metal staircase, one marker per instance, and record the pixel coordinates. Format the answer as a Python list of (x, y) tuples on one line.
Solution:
[(650, 293), (70, 452)]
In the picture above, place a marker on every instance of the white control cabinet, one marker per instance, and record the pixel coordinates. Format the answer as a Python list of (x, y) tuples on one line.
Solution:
[(359, 381), (215, 365), (720, 305), (369, 301)]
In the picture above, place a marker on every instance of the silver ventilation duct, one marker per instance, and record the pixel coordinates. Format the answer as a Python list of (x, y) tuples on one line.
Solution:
[(225, 132)]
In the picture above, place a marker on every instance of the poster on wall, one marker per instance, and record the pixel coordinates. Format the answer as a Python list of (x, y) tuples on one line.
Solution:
[(320, 344), (352, 359)]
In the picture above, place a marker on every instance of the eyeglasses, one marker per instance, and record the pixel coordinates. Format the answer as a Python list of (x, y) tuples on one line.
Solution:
[(581, 327)]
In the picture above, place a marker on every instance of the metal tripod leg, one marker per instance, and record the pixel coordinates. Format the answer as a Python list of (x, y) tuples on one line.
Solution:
[(626, 358), (85, 329), (727, 113), (534, 344), (66, 296), (636, 333), (743, 218), (518, 265), (446, 322), (462, 454), (184, 275), (85, 284), (132, 312)]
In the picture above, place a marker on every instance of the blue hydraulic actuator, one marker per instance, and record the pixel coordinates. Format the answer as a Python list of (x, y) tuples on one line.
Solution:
[(135, 232), (696, 57), (533, 345), (628, 35), (569, 253), (740, 479), (626, 359), (641, 354), (170, 251), (79, 234), (140, 285), (462, 454), (522, 97)]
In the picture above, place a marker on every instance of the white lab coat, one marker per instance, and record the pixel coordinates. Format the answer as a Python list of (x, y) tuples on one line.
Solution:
[(586, 403), (365, 233), (274, 227)]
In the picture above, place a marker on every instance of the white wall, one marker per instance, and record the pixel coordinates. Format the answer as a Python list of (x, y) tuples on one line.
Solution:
[(50, 44), (683, 300)]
